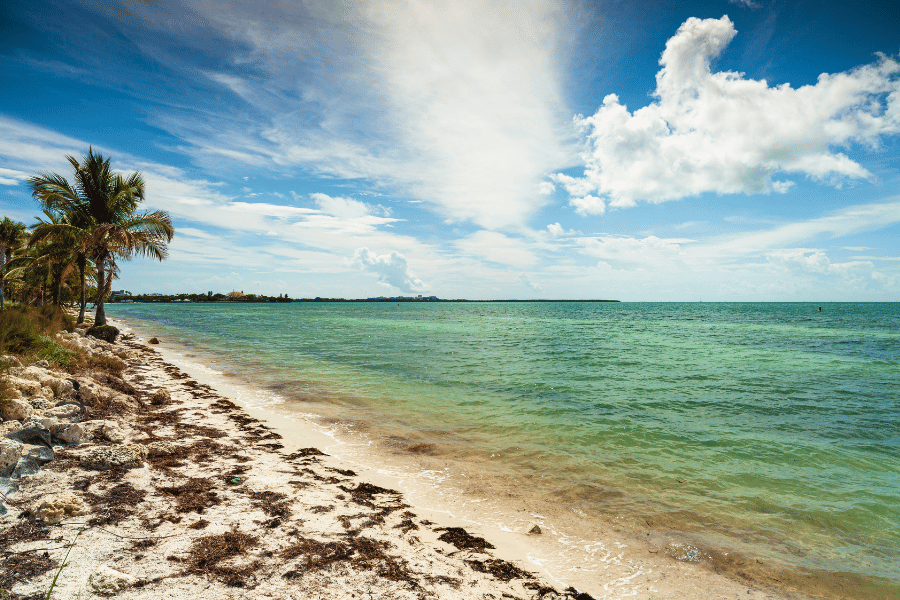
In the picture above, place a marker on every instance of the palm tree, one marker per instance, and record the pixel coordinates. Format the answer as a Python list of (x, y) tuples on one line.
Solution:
[(11, 238), (74, 229), (103, 204)]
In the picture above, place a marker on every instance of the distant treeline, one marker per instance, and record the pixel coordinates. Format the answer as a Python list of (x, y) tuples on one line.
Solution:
[(239, 297)]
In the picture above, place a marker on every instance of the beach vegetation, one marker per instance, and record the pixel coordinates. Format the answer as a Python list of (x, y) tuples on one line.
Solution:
[(98, 216), (12, 237), (26, 330)]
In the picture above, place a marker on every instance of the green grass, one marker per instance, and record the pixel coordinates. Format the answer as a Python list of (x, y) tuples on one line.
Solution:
[(25, 330), (54, 353)]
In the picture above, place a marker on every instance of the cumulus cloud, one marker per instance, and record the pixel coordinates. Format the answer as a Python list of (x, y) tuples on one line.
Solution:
[(545, 188), (721, 132), (815, 261), (391, 269), (530, 284)]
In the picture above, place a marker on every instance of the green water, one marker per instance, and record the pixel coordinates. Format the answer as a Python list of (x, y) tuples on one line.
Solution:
[(770, 428)]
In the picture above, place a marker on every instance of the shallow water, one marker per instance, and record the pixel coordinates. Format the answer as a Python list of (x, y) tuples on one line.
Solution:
[(767, 429)]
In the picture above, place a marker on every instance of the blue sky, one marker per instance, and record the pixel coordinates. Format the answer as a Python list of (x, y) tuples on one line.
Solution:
[(628, 150)]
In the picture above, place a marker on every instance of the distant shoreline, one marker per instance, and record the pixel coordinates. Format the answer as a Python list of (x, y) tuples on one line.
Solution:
[(183, 299)]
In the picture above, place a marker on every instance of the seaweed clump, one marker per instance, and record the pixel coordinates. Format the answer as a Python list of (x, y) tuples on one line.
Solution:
[(362, 553), (499, 569), (209, 556), (196, 495), (463, 540)]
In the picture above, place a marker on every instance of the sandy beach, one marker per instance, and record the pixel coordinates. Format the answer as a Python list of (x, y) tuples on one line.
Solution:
[(182, 491)]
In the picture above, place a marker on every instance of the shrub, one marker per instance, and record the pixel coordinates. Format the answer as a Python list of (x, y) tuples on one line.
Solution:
[(22, 327)]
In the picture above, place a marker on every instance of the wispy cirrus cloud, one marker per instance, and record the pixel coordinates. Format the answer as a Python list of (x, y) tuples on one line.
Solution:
[(457, 104)]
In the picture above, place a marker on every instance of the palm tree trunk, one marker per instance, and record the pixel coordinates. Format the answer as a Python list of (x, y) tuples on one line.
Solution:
[(2, 282), (100, 315), (82, 265)]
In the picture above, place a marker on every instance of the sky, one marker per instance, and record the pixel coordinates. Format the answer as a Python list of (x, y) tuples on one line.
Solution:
[(742, 150)]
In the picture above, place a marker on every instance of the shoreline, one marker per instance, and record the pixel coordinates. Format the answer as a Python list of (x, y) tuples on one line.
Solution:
[(211, 501), (630, 567)]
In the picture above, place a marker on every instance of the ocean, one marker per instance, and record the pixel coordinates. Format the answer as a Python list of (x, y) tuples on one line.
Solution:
[(745, 432)]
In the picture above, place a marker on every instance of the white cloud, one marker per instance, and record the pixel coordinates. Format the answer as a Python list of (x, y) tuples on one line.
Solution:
[(589, 205), (530, 284), (392, 269), (462, 102), (12, 176), (545, 188), (498, 248), (720, 132), (649, 250), (346, 208)]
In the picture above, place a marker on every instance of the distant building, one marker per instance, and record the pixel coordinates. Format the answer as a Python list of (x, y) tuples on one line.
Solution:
[(121, 293), (236, 296)]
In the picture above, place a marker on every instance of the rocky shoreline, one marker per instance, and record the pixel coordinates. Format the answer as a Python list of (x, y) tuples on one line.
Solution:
[(157, 486)]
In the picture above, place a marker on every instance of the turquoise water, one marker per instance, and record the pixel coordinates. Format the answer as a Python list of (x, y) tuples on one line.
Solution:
[(769, 429)]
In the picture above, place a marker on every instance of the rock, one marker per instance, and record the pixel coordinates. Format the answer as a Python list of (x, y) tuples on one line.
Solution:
[(10, 452), (105, 581), (107, 333), (26, 386), (42, 364), (86, 390), (8, 360), (107, 430), (536, 530), (51, 385), (161, 448), (102, 458), (9, 426), (32, 459), (64, 411), (71, 433), (39, 402), (54, 509), (14, 409), (153, 340), (160, 397), (63, 388), (31, 432)]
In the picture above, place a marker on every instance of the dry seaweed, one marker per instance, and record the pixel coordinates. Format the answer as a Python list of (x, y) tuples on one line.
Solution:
[(406, 525), (499, 569), (364, 554), (196, 495), (365, 493), (463, 540), (305, 453), (23, 567), (207, 555), (274, 504), (115, 504)]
